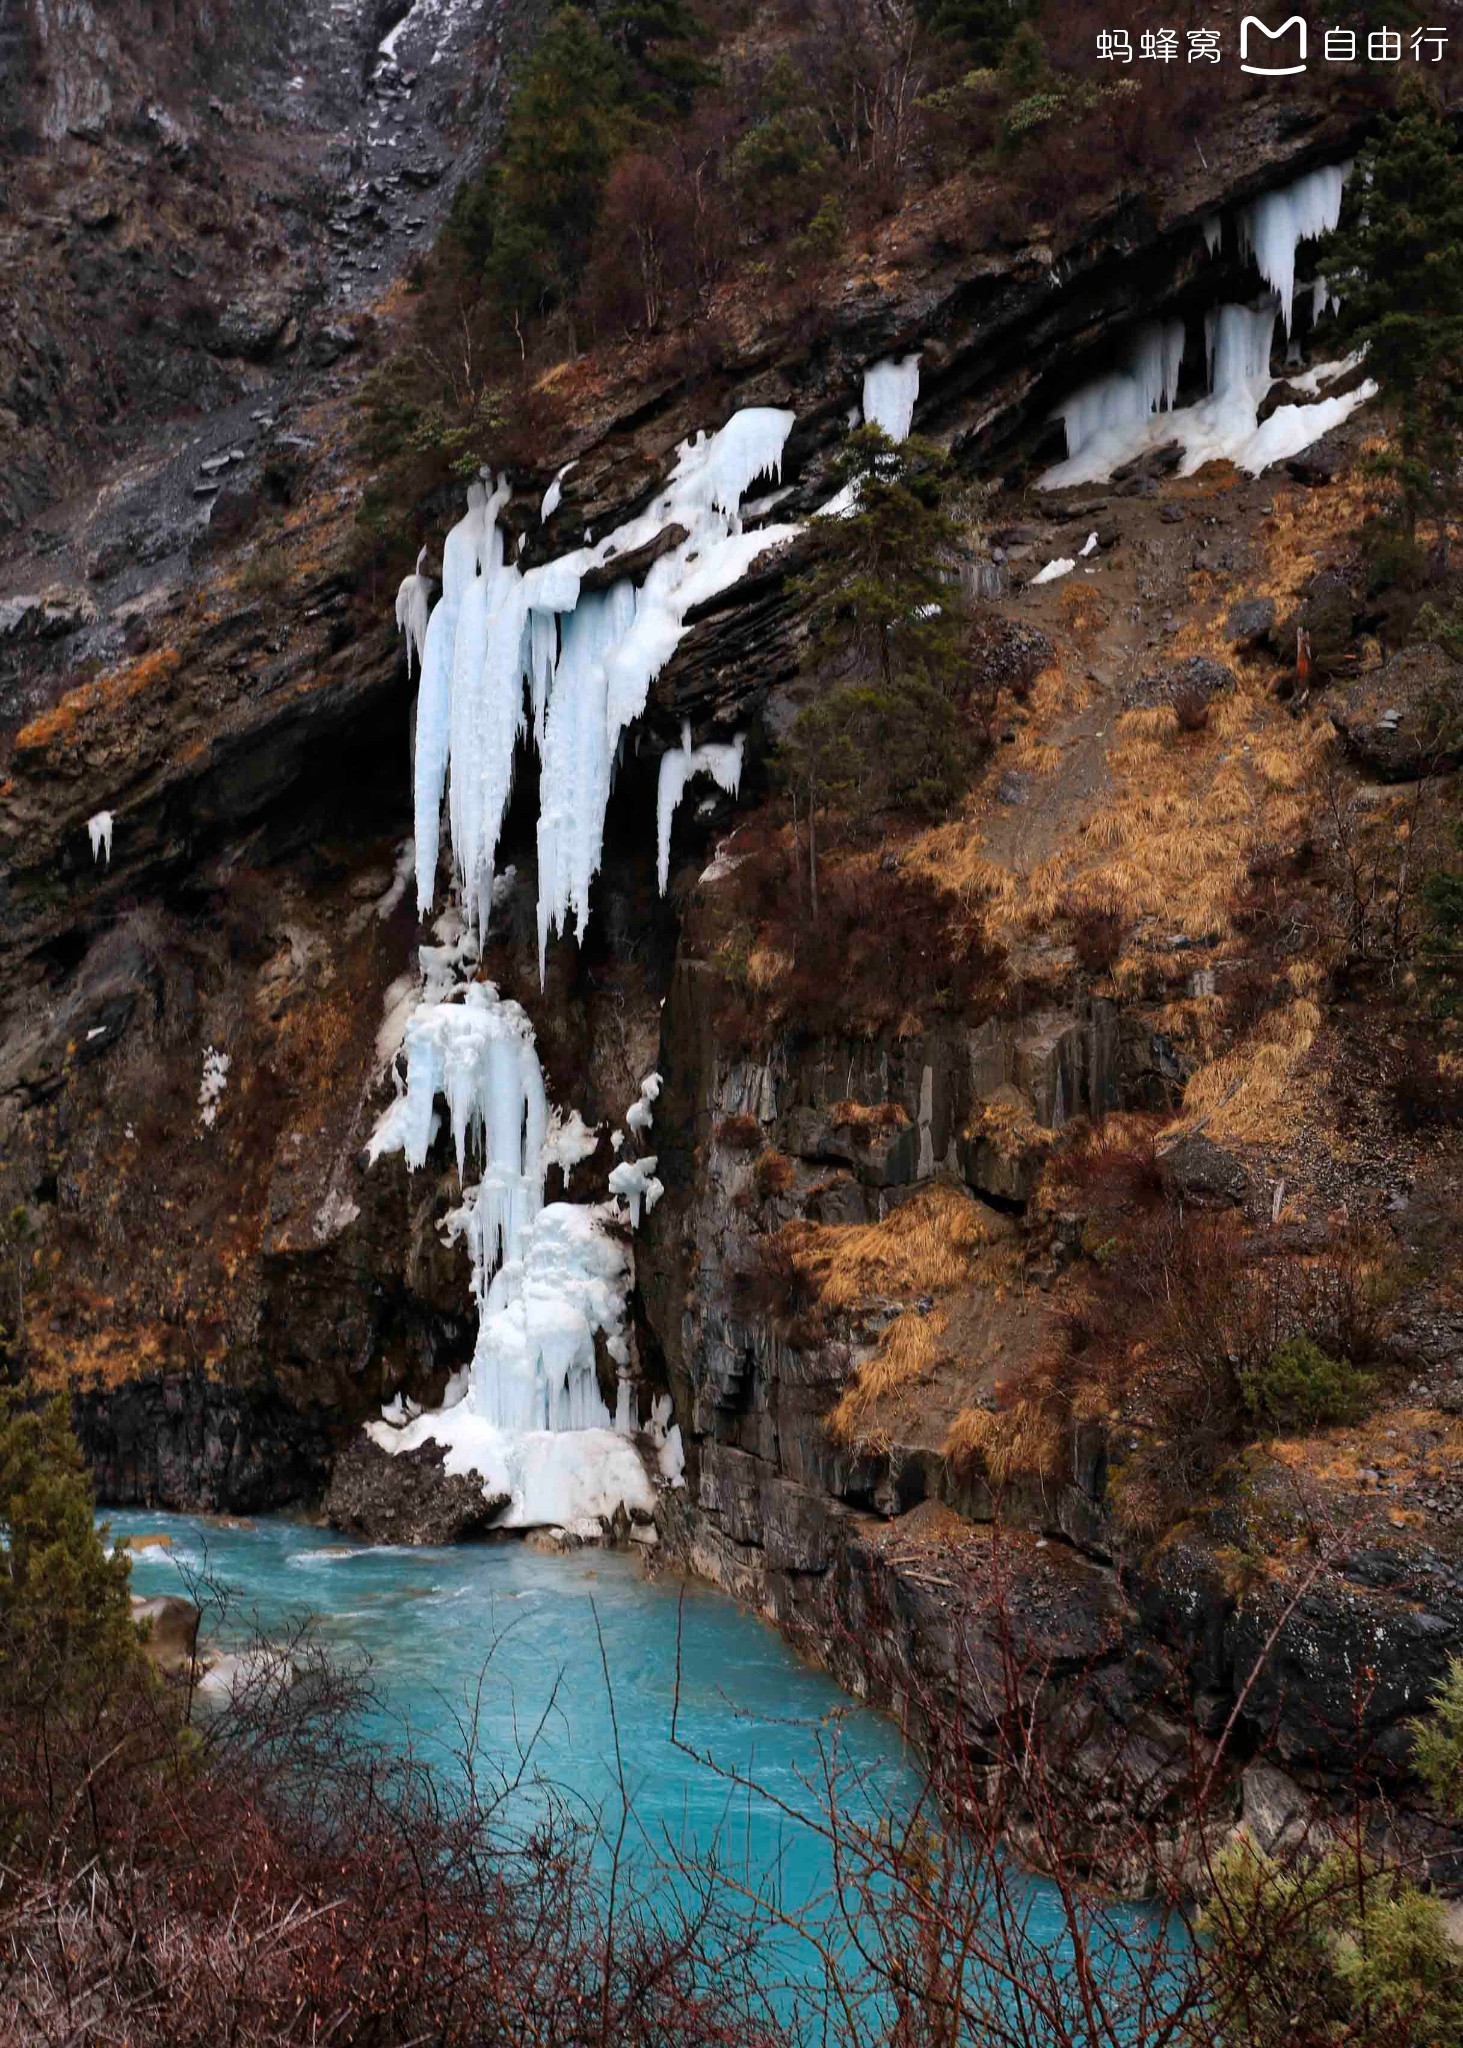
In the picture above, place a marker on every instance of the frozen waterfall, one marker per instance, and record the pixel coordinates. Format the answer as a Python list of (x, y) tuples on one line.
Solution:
[(507, 652)]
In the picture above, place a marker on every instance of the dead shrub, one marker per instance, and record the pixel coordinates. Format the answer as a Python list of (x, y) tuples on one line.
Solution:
[(1191, 707), (1098, 929), (884, 949), (1425, 1084), (773, 1173), (739, 1133), (870, 1120)]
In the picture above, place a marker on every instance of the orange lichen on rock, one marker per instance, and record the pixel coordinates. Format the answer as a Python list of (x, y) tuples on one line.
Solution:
[(113, 687)]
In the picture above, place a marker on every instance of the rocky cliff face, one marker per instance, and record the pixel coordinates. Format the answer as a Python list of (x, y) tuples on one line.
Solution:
[(229, 1294)]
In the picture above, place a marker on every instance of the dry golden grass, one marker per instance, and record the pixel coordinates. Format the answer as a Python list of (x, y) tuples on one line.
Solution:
[(1028, 1437), (1252, 1093), (870, 1120), (926, 1246), (906, 1353)]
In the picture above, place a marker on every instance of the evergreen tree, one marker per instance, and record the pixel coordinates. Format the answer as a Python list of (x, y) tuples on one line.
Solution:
[(66, 1630), (660, 41), (885, 635), (981, 27), (598, 81), (1397, 262), (565, 127)]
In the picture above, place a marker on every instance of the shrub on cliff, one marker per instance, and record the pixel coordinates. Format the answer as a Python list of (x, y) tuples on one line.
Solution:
[(1437, 1744), (1299, 1388), (1330, 1948)]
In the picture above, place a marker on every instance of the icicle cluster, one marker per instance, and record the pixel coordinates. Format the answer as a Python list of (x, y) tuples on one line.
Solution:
[(1273, 227), (99, 832), (1117, 417), (506, 652)]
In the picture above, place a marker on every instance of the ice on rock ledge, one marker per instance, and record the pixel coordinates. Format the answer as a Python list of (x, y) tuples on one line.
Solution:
[(635, 1181), (641, 1113), (1116, 418), (891, 389), (99, 832)]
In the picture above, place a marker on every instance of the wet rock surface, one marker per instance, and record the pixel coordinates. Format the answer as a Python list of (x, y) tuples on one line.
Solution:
[(406, 1497), (183, 1441)]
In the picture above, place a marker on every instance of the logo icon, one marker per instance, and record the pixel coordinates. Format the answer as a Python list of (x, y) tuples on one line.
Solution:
[(1271, 35)]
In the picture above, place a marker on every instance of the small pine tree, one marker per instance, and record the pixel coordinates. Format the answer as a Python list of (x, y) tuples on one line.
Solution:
[(66, 1629), (1397, 261), (1437, 1744), (877, 593)]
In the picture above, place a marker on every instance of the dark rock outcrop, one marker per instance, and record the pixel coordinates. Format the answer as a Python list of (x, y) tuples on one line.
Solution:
[(184, 1441), (406, 1497), (1406, 720)]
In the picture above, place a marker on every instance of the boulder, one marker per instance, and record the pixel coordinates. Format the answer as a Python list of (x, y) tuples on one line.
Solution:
[(1204, 1174), (407, 1497), (254, 325), (1194, 676), (1003, 654), (1274, 1811), (1250, 622), (1405, 720), (172, 1631)]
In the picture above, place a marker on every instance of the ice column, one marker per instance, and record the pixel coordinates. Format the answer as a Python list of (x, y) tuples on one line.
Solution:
[(890, 391)]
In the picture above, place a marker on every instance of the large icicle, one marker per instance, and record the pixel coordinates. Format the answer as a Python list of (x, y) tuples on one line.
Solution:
[(890, 391), (722, 761), (412, 599)]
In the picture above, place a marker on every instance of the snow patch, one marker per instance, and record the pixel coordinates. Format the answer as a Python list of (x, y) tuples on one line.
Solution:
[(1062, 566), (211, 1087), (641, 1113)]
